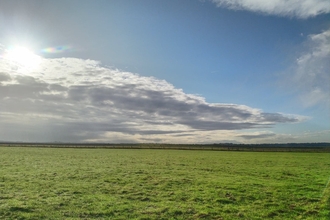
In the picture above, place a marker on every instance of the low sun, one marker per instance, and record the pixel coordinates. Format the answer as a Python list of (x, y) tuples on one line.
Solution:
[(23, 57)]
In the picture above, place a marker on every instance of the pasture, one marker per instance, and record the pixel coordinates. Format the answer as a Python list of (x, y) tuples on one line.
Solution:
[(66, 183)]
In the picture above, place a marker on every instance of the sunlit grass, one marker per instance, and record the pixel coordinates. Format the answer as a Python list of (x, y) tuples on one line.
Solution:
[(41, 183)]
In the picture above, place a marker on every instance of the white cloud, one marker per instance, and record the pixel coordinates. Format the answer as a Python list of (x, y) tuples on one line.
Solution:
[(310, 74), (291, 8), (76, 100)]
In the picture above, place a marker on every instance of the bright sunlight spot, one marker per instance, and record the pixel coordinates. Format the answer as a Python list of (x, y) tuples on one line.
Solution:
[(23, 57)]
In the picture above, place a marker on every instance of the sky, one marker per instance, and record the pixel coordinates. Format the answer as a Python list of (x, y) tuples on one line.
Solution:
[(146, 71)]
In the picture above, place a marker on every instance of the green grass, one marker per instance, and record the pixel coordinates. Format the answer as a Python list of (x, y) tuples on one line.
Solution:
[(50, 183)]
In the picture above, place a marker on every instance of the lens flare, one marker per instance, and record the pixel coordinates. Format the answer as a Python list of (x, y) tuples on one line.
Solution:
[(58, 49)]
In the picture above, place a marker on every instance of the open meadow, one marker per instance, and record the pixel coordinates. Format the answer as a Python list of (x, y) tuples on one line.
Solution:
[(66, 183)]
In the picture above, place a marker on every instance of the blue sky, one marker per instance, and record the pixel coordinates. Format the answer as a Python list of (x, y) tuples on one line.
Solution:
[(184, 71)]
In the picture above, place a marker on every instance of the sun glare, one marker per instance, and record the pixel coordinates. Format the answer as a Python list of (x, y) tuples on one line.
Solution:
[(23, 57)]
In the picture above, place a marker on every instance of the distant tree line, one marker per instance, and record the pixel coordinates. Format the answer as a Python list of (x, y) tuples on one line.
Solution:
[(294, 147)]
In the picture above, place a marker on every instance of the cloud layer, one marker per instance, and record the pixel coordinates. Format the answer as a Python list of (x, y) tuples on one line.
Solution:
[(290, 8), (271, 137), (75, 100)]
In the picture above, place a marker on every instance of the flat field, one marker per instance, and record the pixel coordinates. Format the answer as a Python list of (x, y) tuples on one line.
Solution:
[(53, 183)]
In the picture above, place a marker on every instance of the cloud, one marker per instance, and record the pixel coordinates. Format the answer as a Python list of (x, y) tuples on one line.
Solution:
[(290, 8), (271, 137), (257, 135), (4, 77), (75, 100), (309, 75)]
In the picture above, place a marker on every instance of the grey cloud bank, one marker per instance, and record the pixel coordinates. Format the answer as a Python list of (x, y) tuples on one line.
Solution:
[(77, 100)]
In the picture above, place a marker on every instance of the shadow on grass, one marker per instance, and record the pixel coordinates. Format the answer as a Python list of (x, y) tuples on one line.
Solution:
[(20, 209)]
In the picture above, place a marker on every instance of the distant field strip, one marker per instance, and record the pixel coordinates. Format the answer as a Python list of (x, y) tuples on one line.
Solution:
[(68, 183)]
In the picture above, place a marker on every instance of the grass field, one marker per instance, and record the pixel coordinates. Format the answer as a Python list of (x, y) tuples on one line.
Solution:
[(49, 183)]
